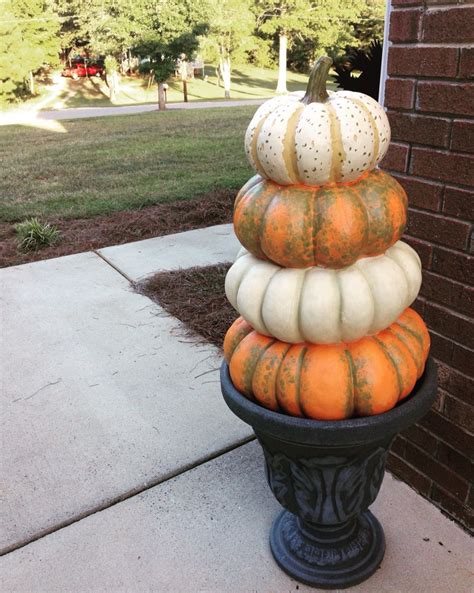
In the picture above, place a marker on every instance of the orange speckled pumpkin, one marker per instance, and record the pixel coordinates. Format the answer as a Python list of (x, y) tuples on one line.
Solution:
[(329, 382), (330, 226)]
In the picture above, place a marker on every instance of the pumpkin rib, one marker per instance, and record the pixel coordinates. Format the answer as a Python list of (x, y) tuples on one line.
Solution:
[(258, 165), (375, 132), (341, 306), (402, 335), (357, 197), (263, 222), (353, 379), (263, 349), (301, 358), (390, 357), (259, 378), (238, 328), (336, 147), (372, 297), (289, 153), (277, 373)]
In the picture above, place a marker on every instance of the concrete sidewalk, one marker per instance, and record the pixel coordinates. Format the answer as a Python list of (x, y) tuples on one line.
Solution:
[(19, 116), (125, 472)]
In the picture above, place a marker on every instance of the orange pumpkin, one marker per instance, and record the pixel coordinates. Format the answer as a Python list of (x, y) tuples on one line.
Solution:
[(330, 226), (329, 381)]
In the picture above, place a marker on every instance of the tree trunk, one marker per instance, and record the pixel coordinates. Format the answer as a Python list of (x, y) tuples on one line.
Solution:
[(32, 83), (185, 90), (225, 72), (281, 86), (161, 96)]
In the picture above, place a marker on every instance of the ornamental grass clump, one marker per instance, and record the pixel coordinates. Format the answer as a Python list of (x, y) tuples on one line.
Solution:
[(33, 234)]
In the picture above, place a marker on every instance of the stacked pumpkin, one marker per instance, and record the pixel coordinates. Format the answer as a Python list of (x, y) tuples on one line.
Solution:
[(323, 283)]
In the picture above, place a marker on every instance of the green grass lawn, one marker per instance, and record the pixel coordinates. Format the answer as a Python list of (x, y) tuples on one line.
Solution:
[(102, 165), (248, 82)]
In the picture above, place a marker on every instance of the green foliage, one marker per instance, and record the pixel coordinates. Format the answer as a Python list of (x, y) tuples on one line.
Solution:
[(371, 23), (230, 34), (290, 17), (33, 234), (28, 41), (111, 64), (260, 53), (335, 27)]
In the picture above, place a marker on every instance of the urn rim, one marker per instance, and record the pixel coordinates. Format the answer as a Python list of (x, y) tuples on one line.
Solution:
[(355, 431)]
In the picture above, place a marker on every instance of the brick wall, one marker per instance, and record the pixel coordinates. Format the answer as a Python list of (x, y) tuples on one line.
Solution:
[(429, 97)]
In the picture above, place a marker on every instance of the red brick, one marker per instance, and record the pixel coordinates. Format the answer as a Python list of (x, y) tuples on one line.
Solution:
[(439, 401), (419, 306), (445, 97), (424, 250), (396, 158), (455, 295), (452, 264), (466, 63), (403, 3), (453, 167), (436, 471), (419, 61), (442, 2), (419, 129), (408, 474), (399, 93), (441, 347), (455, 383), (421, 194), (405, 25), (422, 438), (463, 359), (438, 229), (447, 431), (450, 505), (461, 413), (462, 136), (459, 463), (458, 327), (459, 203), (449, 25)]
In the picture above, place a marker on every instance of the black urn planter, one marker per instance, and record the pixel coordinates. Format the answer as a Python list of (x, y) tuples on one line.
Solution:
[(326, 474)]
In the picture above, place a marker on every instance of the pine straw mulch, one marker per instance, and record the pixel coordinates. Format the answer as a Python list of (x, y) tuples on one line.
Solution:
[(85, 234), (196, 297)]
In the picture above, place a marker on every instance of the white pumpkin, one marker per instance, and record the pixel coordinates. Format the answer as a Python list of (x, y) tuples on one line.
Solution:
[(319, 138), (321, 305)]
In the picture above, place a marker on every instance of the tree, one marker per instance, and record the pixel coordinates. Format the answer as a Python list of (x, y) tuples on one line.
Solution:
[(308, 28), (230, 35), (161, 58), (28, 41), (288, 19), (370, 24)]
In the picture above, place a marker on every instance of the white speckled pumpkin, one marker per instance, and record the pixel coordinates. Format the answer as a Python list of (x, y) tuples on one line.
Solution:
[(321, 305), (317, 139)]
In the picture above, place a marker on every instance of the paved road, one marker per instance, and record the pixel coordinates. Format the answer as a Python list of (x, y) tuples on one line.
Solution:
[(19, 117)]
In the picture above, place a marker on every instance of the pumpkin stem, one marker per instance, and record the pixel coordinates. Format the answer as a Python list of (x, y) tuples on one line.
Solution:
[(316, 90)]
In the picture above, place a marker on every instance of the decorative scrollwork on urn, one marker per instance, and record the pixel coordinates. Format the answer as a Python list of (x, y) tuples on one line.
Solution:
[(326, 489)]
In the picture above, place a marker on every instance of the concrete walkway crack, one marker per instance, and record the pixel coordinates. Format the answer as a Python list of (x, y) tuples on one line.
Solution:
[(107, 261), (126, 496)]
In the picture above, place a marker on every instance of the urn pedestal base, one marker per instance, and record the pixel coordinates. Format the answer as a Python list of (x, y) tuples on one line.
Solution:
[(328, 557), (326, 474)]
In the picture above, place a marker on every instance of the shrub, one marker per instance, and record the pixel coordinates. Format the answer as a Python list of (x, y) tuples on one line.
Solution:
[(33, 234)]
